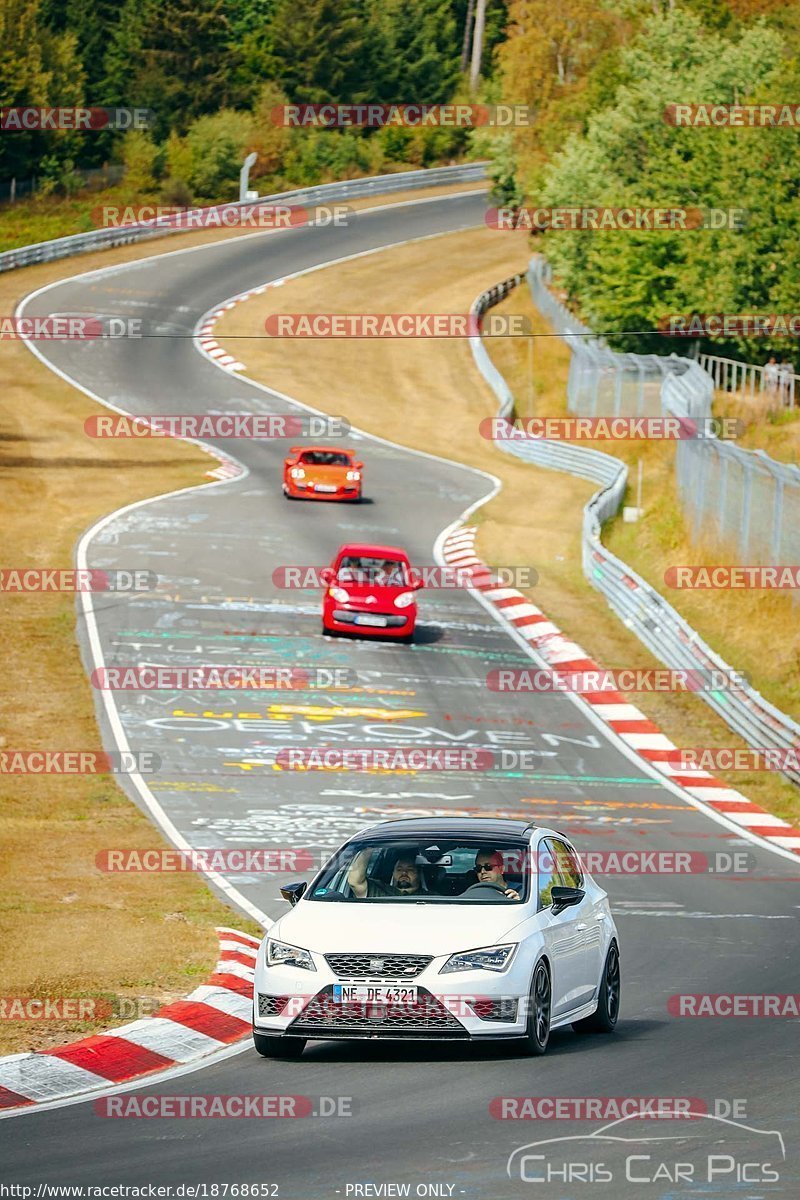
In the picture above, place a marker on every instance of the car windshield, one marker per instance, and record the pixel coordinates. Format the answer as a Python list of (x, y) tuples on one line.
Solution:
[(357, 568), (325, 458), (440, 871)]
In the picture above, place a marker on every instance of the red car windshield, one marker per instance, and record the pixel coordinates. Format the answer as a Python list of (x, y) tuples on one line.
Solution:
[(386, 572)]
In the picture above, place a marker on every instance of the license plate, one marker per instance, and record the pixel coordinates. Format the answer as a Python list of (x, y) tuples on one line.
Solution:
[(368, 619), (363, 993), (324, 487)]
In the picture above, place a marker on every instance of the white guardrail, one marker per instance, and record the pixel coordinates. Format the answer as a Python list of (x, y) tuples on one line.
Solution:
[(99, 239), (641, 608)]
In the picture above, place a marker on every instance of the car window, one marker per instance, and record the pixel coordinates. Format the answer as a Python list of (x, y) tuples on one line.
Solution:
[(442, 873), (558, 865), (390, 572), (325, 458)]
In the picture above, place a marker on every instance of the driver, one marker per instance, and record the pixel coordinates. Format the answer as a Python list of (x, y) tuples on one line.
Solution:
[(389, 573), (489, 869), (406, 879)]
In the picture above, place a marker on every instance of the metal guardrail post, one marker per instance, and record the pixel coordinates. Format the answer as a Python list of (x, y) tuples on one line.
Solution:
[(747, 495)]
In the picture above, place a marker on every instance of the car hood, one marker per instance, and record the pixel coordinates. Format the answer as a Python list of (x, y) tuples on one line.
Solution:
[(401, 927), (382, 593), (326, 474)]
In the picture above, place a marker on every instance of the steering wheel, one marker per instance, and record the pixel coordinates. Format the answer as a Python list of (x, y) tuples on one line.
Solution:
[(480, 891)]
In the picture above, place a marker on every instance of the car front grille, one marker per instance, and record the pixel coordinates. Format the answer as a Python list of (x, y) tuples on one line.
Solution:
[(324, 1017), (270, 1006), (348, 617), (378, 966)]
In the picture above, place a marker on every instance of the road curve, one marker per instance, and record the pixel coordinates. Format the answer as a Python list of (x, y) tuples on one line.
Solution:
[(420, 1115)]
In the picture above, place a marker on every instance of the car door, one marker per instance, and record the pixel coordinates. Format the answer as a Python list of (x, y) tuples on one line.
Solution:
[(565, 933), (589, 916)]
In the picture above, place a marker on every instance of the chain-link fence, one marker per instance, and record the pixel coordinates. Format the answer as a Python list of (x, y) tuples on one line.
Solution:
[(741, 500)]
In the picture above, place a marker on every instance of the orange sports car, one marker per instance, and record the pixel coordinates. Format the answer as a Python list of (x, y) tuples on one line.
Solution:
[(322, 473)]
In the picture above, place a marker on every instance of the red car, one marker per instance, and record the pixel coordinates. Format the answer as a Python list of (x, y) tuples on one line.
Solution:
[(322, 473), (370, 590)]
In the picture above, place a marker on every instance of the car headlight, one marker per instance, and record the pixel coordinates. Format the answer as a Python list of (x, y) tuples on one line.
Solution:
[(339, 595), (404, 600), (281, 955), (297, 473), (353, 476), (487, 958)]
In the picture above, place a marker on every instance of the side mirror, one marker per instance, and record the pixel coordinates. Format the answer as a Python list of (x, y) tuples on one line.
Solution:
[(295, 449), (358, 466), (415, 580), (293, 891), (565, 897), (327, 575)]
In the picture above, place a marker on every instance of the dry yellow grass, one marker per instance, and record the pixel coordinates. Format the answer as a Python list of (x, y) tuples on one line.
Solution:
[(66, 928), (428, 395)]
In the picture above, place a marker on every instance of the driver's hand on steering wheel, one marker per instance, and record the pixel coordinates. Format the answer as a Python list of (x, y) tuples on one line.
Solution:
[(510, 894)]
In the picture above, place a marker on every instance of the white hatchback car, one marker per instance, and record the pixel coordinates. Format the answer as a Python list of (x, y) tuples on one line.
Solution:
[(440, 928)]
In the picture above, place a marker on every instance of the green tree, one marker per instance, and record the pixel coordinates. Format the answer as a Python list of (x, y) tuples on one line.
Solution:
[(631, 156), (173, 56), (217, 145), (316, 50), (139, 156)]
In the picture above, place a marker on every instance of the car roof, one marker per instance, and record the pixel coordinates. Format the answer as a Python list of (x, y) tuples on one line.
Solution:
[(415, 828), (371, 550)]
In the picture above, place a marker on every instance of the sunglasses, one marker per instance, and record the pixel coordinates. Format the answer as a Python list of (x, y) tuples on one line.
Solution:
[(485, 867)]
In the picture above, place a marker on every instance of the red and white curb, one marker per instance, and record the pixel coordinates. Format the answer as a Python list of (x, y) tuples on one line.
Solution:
[(206, 339), (212, 1017), (229, 468), (628, 722)]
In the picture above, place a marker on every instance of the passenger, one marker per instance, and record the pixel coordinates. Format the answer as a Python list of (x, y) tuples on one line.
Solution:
[(406, 877), (489, 869), (390, 573)]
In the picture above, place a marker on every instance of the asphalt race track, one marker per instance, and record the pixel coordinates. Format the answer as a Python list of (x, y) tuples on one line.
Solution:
[(419, 1113)]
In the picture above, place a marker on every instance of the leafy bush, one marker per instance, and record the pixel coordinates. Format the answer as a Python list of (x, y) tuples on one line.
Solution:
[(218, 145)]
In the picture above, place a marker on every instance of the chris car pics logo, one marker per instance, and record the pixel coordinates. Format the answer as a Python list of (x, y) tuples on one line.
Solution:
[(711, 1153)]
